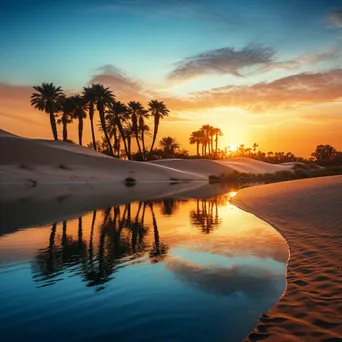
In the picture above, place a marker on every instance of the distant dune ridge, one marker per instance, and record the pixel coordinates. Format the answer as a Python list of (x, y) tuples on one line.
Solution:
[(34, 161), (308, 213)]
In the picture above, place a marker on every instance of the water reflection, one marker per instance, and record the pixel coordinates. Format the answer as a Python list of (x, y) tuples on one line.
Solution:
[(172, 269), (122, 237)]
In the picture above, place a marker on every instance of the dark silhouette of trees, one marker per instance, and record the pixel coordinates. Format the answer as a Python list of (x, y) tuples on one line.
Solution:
[(103, 98), (206, 216), (66, 116), (169, 145), (159, 111), (324, 153), (196, 137), (159, 249), (49, 99), (80, 112), (90, 99)]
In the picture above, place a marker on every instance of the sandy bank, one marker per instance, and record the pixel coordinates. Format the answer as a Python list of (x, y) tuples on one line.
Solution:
[(207, 167), (308, 213), (31, 162)]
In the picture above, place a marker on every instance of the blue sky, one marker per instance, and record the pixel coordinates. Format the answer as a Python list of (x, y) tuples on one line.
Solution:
[(67, 41)]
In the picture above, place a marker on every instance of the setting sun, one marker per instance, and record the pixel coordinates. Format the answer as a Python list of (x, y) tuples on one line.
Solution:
[(233, 148)]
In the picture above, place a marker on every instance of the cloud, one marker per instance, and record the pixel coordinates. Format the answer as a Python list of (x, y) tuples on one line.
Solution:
[(222, 61), (226, 281), (303, 60), (335, 18), (285, 93), (124, 86)]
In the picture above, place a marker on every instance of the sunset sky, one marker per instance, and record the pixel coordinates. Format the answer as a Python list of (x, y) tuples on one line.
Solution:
[(266, 71)]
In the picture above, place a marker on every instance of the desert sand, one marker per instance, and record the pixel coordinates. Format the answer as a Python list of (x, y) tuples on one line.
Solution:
[(32, 162), (308, 213), (217, 167)]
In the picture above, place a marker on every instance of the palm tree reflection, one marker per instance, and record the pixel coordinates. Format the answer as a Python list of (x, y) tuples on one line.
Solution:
[(159, 249), (206, 215), (121, 241)]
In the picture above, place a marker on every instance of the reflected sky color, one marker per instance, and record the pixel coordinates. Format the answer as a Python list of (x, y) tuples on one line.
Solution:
[(173, 269)]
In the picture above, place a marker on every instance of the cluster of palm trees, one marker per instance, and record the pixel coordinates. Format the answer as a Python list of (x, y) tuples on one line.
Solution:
[(205, 136), (119, 122)]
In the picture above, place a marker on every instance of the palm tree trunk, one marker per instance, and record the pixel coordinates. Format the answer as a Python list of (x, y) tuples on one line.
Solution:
[(138, 143), (53, 124), (129, 147), (80, 130), (122, 133), (104, 128), (155, 131), (197, 148), (65, 130), (91, 117), (135, 129), (216, 143), (115, 143), (143, 143)]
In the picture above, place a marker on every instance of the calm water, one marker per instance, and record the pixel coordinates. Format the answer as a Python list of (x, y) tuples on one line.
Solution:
[(172, 270)]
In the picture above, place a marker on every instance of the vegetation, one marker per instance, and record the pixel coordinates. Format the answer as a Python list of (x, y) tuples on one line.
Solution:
[(299, 171), (49, 99), (205, 137), (117, 121), (125, 126)]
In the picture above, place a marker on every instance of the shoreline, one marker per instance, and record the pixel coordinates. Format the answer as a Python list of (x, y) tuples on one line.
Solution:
[(307, 213)]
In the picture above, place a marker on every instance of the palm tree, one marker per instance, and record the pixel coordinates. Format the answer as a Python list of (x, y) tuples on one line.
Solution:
[(66, 118), (80, 108), (196, 138), (134, 109), (118, 113), (169, 145), (49, 99), (104, 97), (158, 110), (206, 129), (241, 149), (129, 133), (217, 132), (143, 113), (255, 145), (90, 100)]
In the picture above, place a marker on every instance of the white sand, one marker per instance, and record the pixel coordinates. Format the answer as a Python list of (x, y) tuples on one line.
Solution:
[(308, 213), (207, 167), (32, 161)]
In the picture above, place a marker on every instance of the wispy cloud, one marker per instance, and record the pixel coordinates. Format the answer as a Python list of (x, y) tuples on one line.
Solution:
[(222, 61), (335, 18), (303, 60), (286, 93), (123, 85)]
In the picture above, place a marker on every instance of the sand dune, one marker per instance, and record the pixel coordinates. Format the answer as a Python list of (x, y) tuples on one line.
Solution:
[(308, 214), (208, 167), (32, 161), (248, 165)]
